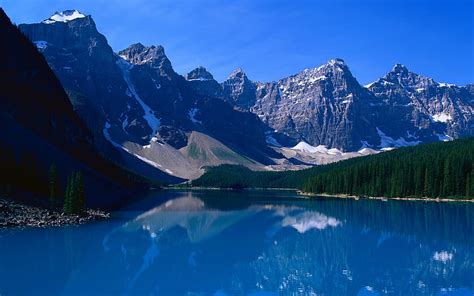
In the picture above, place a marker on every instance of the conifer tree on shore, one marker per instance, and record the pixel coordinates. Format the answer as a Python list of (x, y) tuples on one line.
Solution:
[(75, 199)]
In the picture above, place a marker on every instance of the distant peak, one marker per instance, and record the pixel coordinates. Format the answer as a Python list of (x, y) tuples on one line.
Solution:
[(139, 54), (200, 73), (399, 68), (336, 61), (137, 45), (64, 17), (237, 73), (238, 70)]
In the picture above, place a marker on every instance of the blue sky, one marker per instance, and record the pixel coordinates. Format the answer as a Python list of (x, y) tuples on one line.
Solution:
[(271, 39)]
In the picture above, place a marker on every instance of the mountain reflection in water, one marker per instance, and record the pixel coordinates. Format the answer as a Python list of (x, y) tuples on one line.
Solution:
[(239, 243)]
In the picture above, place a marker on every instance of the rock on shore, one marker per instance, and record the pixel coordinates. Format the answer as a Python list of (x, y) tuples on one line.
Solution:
[(13, 214)]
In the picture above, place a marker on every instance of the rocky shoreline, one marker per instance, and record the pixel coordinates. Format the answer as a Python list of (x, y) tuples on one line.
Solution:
[(383, 198), (13, 214)]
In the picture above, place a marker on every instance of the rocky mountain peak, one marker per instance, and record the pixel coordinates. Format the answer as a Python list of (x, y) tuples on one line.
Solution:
[(399, 69), (239, 90), (64, 16), (334, 67), (335, 70), (238, 73), (400, 75), (139, 54), (336, 62), (200, 73)]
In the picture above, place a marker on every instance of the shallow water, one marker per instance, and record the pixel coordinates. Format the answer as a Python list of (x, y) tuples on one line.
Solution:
[(249, 243)]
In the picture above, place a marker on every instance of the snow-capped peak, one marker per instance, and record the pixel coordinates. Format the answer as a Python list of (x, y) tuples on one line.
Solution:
[(64, 17), (338, 62), (237, 73), (399, 68)]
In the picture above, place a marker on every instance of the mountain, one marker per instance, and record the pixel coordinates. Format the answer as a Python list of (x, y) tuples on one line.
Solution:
[(423, 109), (204, 83), (163, 125), (327, 106), (239, 90), (321, 106), (140, 104), (40, 128)]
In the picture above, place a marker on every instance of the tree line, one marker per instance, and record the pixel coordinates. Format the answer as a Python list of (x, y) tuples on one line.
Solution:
[(434, 170), (427, 170)]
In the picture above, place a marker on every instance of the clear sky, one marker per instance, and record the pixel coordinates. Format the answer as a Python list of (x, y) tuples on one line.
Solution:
[(271, 39)]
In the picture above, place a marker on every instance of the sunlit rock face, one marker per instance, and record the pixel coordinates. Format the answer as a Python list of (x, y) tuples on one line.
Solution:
[(424, 108), (327, 106)]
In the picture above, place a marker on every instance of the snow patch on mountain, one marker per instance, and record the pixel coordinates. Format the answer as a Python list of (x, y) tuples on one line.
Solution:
[(41, 44), (366, 151), (157, 85), (117, 145), (199, 79), (107, 136), (388, 143), (125, 123), (64, 17), (442, 84), (153, 122), (314, 79), (192, 115), (305, 147), (441, 117), (444, 138), (150, 162)]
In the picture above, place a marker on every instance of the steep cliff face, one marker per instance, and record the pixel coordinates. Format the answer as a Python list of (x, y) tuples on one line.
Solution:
[(322, 106), (204, 83), (86, 65), (40, 128), (239, 90), (32, 94), (423, 108), (327, 106), (137, 98)]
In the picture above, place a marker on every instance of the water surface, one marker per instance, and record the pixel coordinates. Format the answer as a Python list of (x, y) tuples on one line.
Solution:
[(249, 243)]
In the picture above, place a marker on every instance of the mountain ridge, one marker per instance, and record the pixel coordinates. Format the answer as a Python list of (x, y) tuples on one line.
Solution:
[(321, 106)]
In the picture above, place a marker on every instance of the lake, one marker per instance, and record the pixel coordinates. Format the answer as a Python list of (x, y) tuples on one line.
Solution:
[(249, 243)]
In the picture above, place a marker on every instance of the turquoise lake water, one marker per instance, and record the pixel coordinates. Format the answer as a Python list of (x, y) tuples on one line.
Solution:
[(249, 243)]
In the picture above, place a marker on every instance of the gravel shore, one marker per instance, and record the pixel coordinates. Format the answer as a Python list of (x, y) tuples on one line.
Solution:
[(13, 214)]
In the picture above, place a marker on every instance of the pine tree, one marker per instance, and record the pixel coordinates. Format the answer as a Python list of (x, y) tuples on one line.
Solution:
[(68, 197), (79, 198), (53, 186), (75, 198), (427, 189)]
